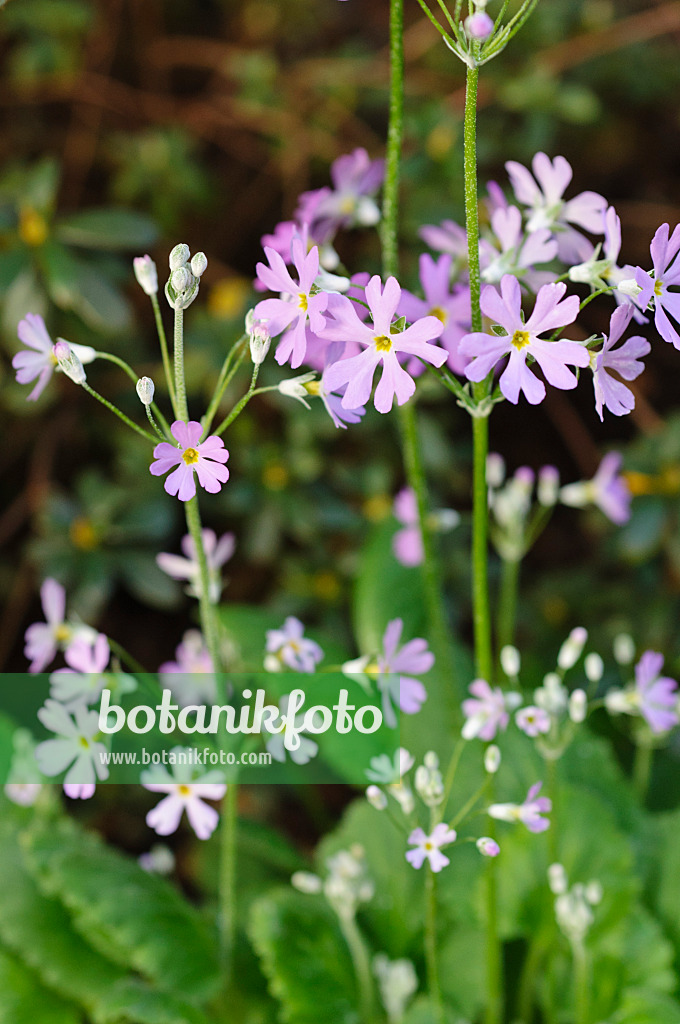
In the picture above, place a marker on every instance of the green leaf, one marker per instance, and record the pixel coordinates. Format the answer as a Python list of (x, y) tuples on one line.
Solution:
[(109, 229), (136, 919), (39, 932), (664, 884), (642, 1007), (304, 957), (23, 1000), (74, 284)]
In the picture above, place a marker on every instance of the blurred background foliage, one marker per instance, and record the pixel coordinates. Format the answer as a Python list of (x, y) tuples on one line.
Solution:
[(129, 125)]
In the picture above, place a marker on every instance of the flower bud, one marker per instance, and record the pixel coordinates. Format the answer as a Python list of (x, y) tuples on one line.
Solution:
[(199, 262), (376, 798), (572, 648), (578, 706), (629, 287), (557, 879), (488, 847), (624, 648), (305, 881), (145, 390), (146, 274), (548, 486), (260, 340), (179, 257), (510, 661), (479, 26), (593, 667), (495, 469), (68, 361), (181, 279), (492, 759)]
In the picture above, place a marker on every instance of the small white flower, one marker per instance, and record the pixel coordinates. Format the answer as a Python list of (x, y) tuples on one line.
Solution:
[(572, 648), (492, 759), (294, 387), (183, 793), (75, 746), (376, 798), (397, 982), (593, 667), (510, 661), (145, 390)]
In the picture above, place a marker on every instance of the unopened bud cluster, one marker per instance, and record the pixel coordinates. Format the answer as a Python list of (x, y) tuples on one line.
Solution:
[(185, 273)]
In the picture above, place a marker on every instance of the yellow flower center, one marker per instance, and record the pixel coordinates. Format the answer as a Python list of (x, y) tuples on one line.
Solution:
[(520, 339), (84, 743), (190, 456), (302, 304), (62, 633), (383, 343), (658, 285), (428, 845), (184, 790), (440, 313), (82, 534), (32, 227)]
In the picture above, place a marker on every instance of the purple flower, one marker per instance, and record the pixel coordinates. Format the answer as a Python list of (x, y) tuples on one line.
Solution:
[(487, 846), (79, 790), (608, 490), (429, 847), (657, 695), (407, 544), (517, 253), (83, 680), (191, 676), (521, 340), (41, 361), (452, 308), (288, 646), (543, 192), (528, 813), (666, 271), (356, 178), (44, 639), (533, 721), (298, 308), (485, 712), (217, 552), (183, 794), (609, 391), (205, 458), (447, 237), (413, 658), (381, 346)]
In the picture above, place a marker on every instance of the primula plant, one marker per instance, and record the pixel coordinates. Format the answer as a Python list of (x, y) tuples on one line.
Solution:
[(496, 859)]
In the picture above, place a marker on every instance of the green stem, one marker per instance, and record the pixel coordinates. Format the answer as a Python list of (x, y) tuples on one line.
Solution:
[(471, 203), (181, 408), (124, 657), (164, 353), (554, 830), (209, 623), (494, 968), (390, 210), (362, 967), (227, 882), (235, 356), (431, 946), (642, 770), (116, 411), (581, 1000), (241, 404), (134, 377), (507, 601), (154, 424)]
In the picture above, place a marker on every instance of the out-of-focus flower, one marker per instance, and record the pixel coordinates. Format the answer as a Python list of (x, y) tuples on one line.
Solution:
[(39, 360), (528, 813), (44, 639), (486, 712), (217, 553), (76, 745), (191, 677), (607, 489), (290, 647), (184, 793), (451, 307), (397, 666), (83, 680), (533, 721), (653, 696), (610, 392), (429, 847)]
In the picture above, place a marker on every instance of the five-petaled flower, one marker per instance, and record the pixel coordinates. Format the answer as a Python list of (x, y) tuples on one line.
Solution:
[(528, 813), (381, 346), (429, 847), (39, 360), (653, 696), (521, 340), (183, 793), (486, 711), (288, 646), (666, 272), (413, 658), (206, 458)]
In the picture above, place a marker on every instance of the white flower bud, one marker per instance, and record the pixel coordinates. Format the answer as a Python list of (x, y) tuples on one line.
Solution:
[(495, 469), (572, 648), (145, 390), (624, 648), (487, 846), (557, 879), (69, 363), (179, 257), (548, 487), (181, 279), (199, 262), (578, 706), (431, 761), (305, 881), (629, 287), (376, 798), (593, 667), (492, 759), (260, 340), (295, 387), (510, 661), (594, 893), (146, 274)]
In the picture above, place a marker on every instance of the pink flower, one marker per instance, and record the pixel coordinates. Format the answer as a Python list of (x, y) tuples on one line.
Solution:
[(452, 308), (183, 795), (516, 252), (485, 712), (407, 544), (608, 490), (79, 790), (657, 694), (298, 308), (447, 237), (381, 347), (528, 813), (609, 391), (217, 552), (521, 340), (291, 648), (356, 178), (83, 680), (543, 192), (44, 639), (487, 846), (41, 361), (666, 271), (206, 458), (429, 847), (191, 676), (479, 26), (533, 721), (413, 658)]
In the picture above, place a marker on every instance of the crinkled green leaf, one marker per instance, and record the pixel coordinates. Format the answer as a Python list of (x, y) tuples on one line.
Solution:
[(304, 957), (136, 919)]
